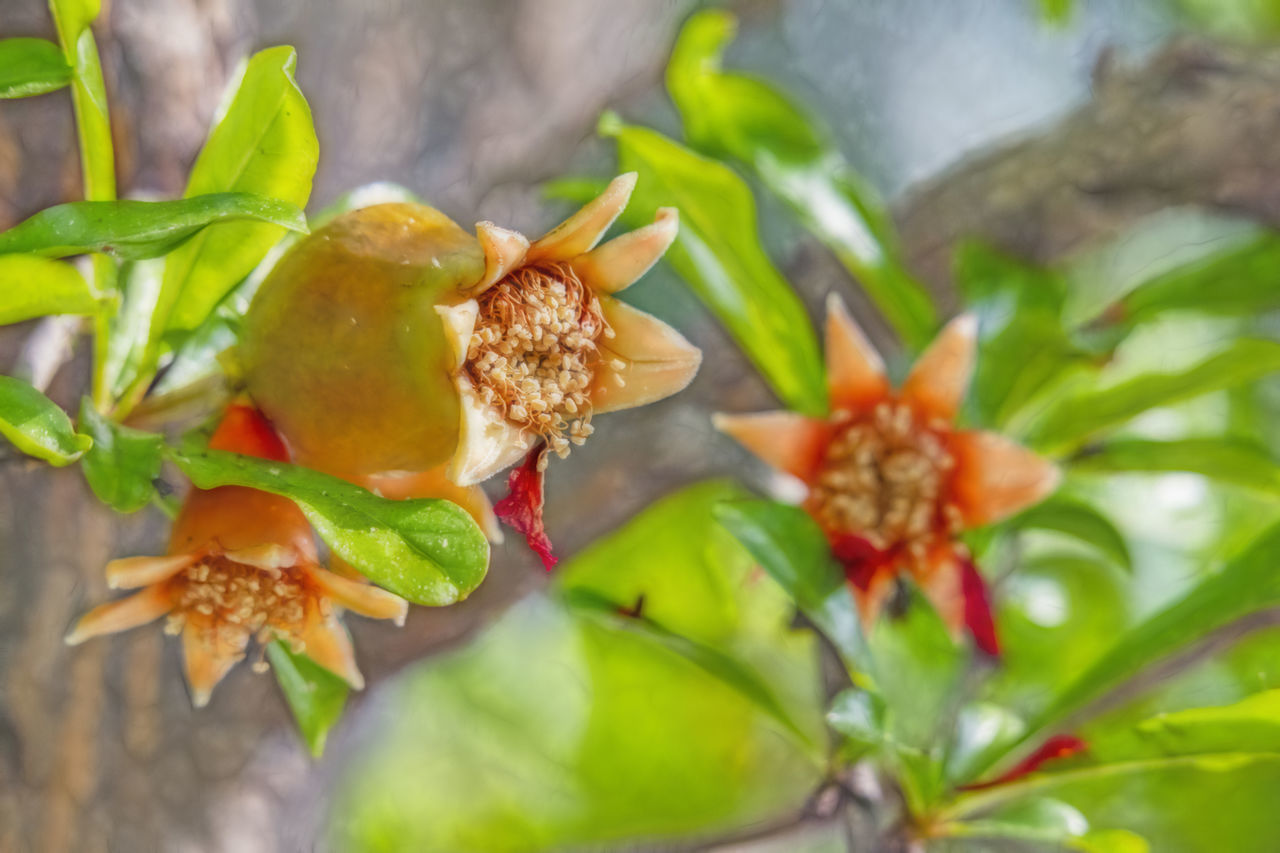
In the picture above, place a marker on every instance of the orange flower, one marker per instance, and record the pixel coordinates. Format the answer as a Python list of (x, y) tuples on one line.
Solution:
[(241, 564), (890, 480)]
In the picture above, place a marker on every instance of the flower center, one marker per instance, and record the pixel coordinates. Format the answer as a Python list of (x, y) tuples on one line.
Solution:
[(884, 478), (239, 597), (534, 352)]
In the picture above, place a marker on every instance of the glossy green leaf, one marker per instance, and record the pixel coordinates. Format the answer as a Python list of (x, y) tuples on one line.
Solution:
[(1228, 460), (718, 253), (736, 116), (139, 229), (315, 695), (555, 730), (982, 730), (30, 66), (1237, 282), (37, 426), (32, 286), (428, 551), (1079, 416), (264, 143), (1079, 521), (123, 464), (1251, 725)]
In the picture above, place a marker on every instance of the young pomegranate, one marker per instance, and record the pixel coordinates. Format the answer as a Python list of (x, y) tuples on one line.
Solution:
[(891, 481), (242, 564)]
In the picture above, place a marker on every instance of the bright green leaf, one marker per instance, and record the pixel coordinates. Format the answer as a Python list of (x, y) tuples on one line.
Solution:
[(740, 117), (1056, 11), (428, 551), (89, 96), (37, 426), (1225, 459), (1041, 820), (1251, 725), (982, 730), (32, 286), (1080, 521), (31, 66), (123, 464), (140, 229), (1111, 841), (718, 253), (1237, 282), (858, 715), (315, 695)]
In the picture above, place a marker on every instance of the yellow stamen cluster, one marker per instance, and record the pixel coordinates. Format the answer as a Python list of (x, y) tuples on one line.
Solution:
[(883, 478), (533, 353), (241, 599)]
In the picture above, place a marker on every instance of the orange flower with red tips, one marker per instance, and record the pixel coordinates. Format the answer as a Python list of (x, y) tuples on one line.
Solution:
[(242, 564), (890, 480)]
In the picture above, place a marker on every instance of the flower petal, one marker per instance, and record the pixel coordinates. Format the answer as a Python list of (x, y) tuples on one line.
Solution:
[(1054, 748), (855, 372), (137, 572), (522, 507), (487, 441), (327, 642), (645, 361), (620, 262), (937, 384), (580, 232), (121, 615), (268, 556), (788, 441), (243, 429), (209, 656), (459, 322), (436, 484), (942, 583), (362, 598), (977, 608), (995, 477), (504, 250)]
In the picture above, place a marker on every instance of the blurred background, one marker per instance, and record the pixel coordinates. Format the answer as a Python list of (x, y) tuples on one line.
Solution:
[(1116, 135)]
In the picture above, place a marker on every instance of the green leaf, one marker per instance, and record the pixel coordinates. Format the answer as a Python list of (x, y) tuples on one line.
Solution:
[(264, 143), (1040, 819), (89, 96), (315, 695), (1077, 417), (1251, 725), (739, 117), (1056, 11), (37, 426), (718, 253), (31, 286), (31, 67), (124, 462), (1225, 459), (428, 551), (982, 730), (1080, 521), (139, 229), (1237, 282), (858, 715)]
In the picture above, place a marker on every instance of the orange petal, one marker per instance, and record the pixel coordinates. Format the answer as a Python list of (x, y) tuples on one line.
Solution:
[(855, 371), (487, 441), (209, 655), (620, 262), (940, 583), (644, 361), (121, 615), (938, 382), (362, 598), (267, 557), (327, 643), (137, 572), (788, 441), (995, 478), (504, 250), (580, 232), (436, 484), (871, 600)]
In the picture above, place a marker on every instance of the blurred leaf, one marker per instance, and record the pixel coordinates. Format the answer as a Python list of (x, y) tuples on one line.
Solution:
[(428, 551), (1079, 416), (1022, 346), (1237, 282), (31, 66), (731, 115), (123, 463), (315, 695), (139, 229), (718, 253), (858, 715), (1039, 819), (1080, 521), (37, 426), (1241, 19), (31, 286), (1225, 459), (555, 730), (263, 142), (1111, 841), (1252, 725), (89, 96), (1056, 11), (982, 730)]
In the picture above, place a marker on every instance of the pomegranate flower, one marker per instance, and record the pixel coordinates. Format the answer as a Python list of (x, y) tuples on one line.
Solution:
[(890, 480), (242, 564)]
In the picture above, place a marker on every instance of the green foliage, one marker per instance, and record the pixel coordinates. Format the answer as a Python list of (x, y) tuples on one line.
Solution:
[(315, 695), (31, 66), (32, 286), (734, 116), (427, 551), (123, 463), (88, 94), (1079, 521), (35, 425), (718, 253), (1056, 11), (134, 230), (1222, 458), (1237, 282)]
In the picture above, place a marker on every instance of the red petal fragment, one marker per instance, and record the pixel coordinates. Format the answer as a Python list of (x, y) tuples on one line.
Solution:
[(521, 509), (1053, 749), (859, 558), (977, 609), (243, 429)]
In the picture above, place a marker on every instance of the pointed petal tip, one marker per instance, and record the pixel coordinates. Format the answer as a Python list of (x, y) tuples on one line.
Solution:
[(855, 371), (938, 382), (504, 250), (200, 696), (787, 441)]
